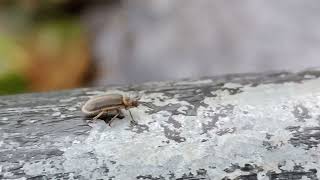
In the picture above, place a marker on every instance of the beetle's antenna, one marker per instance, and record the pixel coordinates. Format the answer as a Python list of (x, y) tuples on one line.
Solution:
[(133, 121), (139, 96)]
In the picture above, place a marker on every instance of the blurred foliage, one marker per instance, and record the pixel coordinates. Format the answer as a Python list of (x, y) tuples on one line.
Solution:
[(12, 59), (12, 84), (62, 52), (43, 45)]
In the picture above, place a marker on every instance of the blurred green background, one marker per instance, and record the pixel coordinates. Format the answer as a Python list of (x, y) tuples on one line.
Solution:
[(50, 45), (43, 46)]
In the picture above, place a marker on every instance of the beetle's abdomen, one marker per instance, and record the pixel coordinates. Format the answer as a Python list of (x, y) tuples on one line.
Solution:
[(101, 102)]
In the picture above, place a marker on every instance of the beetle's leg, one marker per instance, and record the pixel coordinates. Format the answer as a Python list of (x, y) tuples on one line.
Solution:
[(114, 117), (132, 120), (120, 113), (97, 116)]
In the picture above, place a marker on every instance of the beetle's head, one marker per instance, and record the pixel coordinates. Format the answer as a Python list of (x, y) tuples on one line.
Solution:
[(134, 103), (131, 102)]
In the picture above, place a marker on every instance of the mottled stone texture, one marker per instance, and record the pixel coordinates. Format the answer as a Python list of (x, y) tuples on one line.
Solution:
[(249, 126)]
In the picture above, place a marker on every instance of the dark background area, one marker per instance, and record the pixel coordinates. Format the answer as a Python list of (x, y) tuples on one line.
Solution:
[(59, 44)]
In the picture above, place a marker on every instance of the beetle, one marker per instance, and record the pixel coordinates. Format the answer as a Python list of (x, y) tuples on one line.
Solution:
[(99, 105)]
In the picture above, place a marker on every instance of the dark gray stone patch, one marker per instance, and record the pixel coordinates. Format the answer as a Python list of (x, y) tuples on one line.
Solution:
[(197, 96), (201, 174), (40, 177), (15, 168), (226, 131), (152, 108), (27, 155), (173, 108), (150, 177), (64, 176), (215, 114), (297, 173), (232, 168), (311, 174), (313, 73), (232, 91), (280, 77), (252, 176), (268, 144), (308, 136), (251, 168), (194, 96), (172, 134), (169, 133), (268, 136), (175, 123), (204, 140), (301, 113)]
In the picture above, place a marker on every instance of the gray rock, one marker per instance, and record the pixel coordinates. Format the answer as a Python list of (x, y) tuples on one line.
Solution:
[(249, 126)]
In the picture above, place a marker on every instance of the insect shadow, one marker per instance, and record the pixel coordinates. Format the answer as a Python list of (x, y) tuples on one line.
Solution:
[(106, 117)]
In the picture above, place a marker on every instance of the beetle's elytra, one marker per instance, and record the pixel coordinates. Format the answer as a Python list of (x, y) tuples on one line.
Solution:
[(99, 105)]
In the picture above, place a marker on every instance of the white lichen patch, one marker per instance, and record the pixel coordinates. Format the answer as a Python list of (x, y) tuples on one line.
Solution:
[(4, 119), (56, 114), (55, 109), (95, 92), (33, 121), (182, 109), (237, 129), (72, 109), (309, 76), (67, 99), (265, 114), (64, 116), (232, 85)]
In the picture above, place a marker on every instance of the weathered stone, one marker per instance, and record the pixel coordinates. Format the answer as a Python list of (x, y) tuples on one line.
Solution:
[(249, 126)]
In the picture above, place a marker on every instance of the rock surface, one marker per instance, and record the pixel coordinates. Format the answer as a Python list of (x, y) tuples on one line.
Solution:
[(249, 126)]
